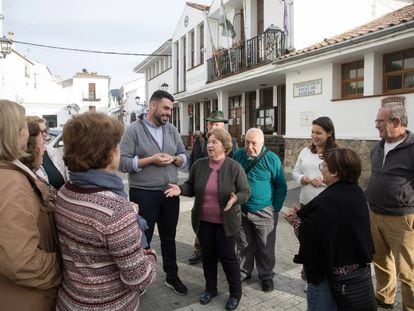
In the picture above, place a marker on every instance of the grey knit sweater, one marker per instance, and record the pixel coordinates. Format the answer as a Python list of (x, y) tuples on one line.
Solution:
[(137, 140)]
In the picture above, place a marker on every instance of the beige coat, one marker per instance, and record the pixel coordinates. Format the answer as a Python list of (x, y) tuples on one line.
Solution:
[(29, 260)]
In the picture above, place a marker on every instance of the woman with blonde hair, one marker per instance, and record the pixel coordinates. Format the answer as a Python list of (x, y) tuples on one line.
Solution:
[(29, 262)]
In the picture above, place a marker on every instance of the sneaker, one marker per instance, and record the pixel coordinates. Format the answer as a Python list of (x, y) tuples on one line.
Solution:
[(176, 285), (195, 258), (384, 305)]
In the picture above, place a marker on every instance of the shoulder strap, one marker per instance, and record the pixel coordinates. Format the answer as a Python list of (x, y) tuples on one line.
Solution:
[(255, 161)]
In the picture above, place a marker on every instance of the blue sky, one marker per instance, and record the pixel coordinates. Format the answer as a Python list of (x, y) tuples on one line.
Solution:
[(139, 26)]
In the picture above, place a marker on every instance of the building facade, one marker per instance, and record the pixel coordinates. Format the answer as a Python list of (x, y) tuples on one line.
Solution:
[(252, 59)]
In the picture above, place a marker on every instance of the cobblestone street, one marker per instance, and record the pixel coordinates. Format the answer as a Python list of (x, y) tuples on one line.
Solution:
[(288, 293)]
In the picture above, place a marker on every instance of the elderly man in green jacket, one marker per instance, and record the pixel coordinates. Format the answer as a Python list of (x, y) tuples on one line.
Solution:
[(260, 214)]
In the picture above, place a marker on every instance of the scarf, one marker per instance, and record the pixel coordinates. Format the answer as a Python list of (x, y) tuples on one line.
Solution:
[(98, 178)]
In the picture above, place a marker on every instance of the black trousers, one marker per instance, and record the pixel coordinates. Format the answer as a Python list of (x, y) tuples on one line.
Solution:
[(215, 245), (154, 207)]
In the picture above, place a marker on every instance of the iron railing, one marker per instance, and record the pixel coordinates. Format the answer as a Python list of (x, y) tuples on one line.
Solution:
[(254, 52)]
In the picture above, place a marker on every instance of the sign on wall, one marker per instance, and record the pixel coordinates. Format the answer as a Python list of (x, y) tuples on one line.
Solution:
[(307, 88), (393, 101)]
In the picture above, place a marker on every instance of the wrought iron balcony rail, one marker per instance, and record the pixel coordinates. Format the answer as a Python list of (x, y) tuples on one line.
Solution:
[(254, 52)]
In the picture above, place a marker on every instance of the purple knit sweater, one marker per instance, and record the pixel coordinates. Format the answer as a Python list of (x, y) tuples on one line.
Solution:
[(104, 265)]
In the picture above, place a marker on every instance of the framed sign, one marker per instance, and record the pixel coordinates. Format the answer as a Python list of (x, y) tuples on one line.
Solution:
[(307, 88), (393, 101)]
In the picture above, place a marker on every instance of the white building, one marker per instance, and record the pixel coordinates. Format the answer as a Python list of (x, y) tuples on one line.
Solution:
[(133, 99), (158, 74), (268, 76), (33, 85), (89, 91)]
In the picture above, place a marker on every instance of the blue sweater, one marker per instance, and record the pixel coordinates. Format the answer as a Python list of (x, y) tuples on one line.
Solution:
[(266, 180)]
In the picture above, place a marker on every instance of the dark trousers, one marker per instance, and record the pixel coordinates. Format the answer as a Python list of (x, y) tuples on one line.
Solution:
[(154, 207), (214, 245)]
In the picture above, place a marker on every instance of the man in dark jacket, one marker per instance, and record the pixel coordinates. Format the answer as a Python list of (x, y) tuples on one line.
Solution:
[(199, 150), (390, 194)]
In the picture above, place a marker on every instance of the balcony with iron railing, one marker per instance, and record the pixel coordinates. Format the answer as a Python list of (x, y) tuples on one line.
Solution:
[(257, 51), (91, 96)]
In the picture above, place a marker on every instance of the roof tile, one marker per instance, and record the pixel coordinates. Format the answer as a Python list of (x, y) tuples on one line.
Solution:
[(397, 17)]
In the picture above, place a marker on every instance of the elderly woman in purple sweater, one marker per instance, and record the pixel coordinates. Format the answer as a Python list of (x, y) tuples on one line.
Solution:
[(219, 185)]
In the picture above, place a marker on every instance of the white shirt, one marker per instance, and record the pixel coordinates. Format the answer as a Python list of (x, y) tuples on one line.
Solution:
[(389, 146), (307, 164)]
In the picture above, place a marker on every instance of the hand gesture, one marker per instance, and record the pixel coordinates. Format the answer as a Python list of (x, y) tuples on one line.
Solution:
[(230, 202), (291, 214), (162, 159), (134, 206), (316, 182), (305, 180), (150, 251), (172, 191)]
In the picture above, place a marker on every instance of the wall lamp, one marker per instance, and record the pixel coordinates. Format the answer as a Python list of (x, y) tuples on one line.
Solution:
[(5, 46)]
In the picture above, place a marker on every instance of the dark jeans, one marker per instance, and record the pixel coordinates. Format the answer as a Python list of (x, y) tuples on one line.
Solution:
[(214, 245), (154, 207)]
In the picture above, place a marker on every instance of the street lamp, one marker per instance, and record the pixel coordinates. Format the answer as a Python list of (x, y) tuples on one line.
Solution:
[(164, 87), (5, 46), (72, 107)]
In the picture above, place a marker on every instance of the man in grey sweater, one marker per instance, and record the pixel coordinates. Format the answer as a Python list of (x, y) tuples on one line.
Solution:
[(151, 153)]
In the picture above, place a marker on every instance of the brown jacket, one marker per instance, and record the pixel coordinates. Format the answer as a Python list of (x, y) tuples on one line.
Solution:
[(29, 260)]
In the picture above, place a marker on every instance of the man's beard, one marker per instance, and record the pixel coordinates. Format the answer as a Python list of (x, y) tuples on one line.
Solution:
[(159, 119)]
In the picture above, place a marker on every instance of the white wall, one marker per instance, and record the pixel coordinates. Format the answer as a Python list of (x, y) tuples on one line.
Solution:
[(353, 119), (273, 13), (80, 90), (155, 84), (131, 90)]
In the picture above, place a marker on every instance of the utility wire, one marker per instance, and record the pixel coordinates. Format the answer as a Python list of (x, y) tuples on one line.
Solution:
[(87, 51)]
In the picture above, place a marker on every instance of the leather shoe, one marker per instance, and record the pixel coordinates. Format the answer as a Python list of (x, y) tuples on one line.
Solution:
[(206, 297), (267, 285), (195, 258), (232, 303), (384, 304), (244, 277)]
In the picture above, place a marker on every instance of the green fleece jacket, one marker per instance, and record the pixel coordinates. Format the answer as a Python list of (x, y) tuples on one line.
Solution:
[(266, 180)]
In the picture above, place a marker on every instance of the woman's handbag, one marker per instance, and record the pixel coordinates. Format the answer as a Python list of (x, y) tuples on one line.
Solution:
[(354, 291)]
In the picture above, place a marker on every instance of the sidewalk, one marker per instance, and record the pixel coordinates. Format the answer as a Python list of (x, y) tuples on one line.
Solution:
[(288, 293)]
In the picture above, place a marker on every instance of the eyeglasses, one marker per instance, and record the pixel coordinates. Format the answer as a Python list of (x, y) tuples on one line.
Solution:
[(43, 131), (322, 165)]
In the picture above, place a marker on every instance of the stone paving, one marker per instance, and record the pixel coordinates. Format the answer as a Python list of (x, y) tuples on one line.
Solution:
[(288, 293)]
